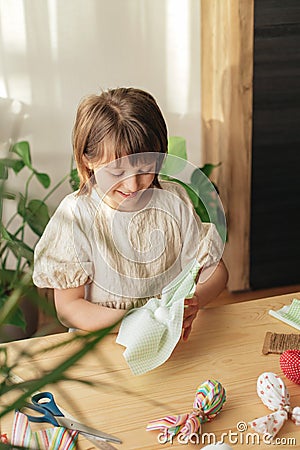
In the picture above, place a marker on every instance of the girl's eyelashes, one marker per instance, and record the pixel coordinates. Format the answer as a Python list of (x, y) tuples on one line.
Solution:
[(148, 169), (142, 171), (117, 174), (114, 172)]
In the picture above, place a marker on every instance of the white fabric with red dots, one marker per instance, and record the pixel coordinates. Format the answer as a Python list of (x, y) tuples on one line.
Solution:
[(274, 394)]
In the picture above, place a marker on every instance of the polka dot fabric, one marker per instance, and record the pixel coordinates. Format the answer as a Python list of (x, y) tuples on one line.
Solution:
[(290, 365), (274, 394)]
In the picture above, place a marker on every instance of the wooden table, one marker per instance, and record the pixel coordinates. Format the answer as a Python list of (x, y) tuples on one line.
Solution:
[(226, 344)]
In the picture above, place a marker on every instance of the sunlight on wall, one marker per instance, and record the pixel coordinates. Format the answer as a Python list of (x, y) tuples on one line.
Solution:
[(53, 50), (13, 36), (53, 28), (178, 55)]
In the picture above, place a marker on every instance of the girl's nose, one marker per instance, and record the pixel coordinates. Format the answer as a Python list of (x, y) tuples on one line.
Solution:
[(131, 184)]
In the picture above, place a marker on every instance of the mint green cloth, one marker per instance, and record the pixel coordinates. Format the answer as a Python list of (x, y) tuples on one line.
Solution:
[(289, 314), (151, 332)]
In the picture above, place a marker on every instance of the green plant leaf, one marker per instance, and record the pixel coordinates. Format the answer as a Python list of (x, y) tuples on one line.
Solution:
[(201, 182), (21, 206), (44, 179), (18, 247), (202, 212), (5, 235), (6, 163), (37, 216), (3, 171), (176, 159), (22, 149), (177, 147), (8, 195), (58, 373), (191, 192), (13, 289), (14, 316), (74, 179), (15, 164), (208, 168)]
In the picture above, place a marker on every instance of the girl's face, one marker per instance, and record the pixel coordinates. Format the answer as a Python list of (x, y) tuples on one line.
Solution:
[(124, 181)]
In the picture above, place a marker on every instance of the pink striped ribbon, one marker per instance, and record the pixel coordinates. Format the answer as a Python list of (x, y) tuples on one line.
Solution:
[(57, 438), (209, 400)]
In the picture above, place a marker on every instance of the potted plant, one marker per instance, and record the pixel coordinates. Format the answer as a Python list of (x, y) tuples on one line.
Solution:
[(22, 222), (201, 189)]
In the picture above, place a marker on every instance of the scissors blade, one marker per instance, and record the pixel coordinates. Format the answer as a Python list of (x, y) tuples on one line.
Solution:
[(73, 425), (99, 443)]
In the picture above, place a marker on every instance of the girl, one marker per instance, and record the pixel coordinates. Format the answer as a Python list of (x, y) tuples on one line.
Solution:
[(124, 234)]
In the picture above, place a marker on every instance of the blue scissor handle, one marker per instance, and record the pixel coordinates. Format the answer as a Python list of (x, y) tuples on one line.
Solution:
[(46, 401), (45, 416)]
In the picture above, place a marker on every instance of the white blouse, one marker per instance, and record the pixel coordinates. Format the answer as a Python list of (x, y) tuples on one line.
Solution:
[(123, 258)]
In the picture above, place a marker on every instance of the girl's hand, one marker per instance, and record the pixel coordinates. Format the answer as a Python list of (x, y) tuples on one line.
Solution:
[(190, 313)]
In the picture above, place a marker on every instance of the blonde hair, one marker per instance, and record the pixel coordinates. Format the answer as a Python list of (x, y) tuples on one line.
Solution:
[(116, 123)]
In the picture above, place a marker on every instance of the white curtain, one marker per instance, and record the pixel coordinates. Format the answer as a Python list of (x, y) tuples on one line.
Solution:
[(54, 52)]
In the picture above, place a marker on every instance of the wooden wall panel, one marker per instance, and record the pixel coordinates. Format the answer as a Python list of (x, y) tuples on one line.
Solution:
[(227, 73)]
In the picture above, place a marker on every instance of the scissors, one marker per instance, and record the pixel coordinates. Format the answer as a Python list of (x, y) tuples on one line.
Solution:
[(44, 404)]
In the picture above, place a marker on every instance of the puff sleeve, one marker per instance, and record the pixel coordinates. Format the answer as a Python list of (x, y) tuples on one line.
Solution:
[(62, 257)]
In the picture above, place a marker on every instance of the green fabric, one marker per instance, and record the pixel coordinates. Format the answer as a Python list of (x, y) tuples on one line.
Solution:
[(289, 314), (151, 332)]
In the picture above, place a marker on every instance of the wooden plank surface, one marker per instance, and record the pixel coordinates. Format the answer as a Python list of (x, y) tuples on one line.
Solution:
[(226, 95), (226, 344)]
